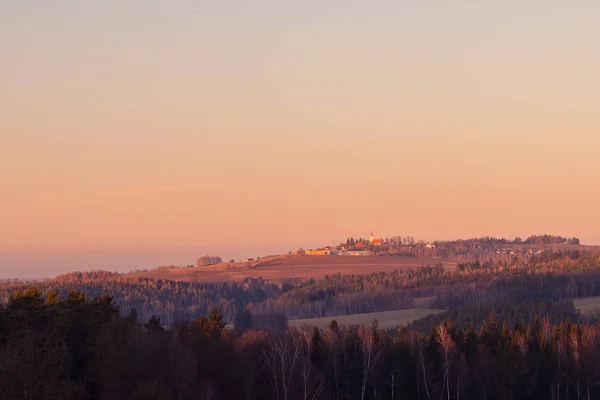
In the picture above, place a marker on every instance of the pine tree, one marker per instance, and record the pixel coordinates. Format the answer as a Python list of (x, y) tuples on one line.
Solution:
[(154, 325), (216, 323), (333, 325)]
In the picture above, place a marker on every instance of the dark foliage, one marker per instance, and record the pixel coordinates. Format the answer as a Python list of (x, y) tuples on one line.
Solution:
[(558, 275), (517, 310), (81, 348)]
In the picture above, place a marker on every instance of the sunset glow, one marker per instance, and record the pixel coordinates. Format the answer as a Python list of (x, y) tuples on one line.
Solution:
[(135, 133)]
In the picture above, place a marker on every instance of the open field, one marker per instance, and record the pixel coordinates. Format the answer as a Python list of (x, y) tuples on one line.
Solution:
[(304, 267), (385, 318), (588, 305)]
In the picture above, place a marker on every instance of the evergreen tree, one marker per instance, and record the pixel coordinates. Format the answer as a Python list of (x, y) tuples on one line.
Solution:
[(154, 325)]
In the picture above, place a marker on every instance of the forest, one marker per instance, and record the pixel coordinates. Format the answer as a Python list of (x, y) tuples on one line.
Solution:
[(556, 276), (509, 331), (81, 348)]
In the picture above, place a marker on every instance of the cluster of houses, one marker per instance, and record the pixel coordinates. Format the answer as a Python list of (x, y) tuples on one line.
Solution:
[(512, 252), (358, 249), (327, 251)]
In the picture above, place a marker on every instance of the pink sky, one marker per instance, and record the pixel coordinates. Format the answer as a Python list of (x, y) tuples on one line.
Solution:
[(276, 125)]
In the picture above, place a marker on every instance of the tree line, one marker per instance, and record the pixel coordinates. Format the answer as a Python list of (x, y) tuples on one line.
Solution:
[(561, 275), (208, 260), (75, 347)]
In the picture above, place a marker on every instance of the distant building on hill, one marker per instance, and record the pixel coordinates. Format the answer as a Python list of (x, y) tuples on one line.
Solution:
[(321, 252), (375, 242), (360, 253)]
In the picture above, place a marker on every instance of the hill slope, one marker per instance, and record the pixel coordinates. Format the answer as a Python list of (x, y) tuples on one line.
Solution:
[(298, 267)]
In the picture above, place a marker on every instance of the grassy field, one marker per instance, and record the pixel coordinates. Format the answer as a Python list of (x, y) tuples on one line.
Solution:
[(279, 268), (384, 318), (588, 305)]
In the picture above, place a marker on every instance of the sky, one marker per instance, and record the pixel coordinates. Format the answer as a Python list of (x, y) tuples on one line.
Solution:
[(139, 133)]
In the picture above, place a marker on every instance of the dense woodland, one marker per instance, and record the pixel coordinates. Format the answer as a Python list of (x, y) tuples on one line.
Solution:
[(81, 348), (509, 312)]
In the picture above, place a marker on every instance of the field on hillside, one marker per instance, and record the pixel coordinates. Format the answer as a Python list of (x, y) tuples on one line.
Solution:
[(588, 305), (305, 267), (385, 319)]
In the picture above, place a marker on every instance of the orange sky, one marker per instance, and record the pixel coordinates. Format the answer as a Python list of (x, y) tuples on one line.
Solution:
[(278, 125)]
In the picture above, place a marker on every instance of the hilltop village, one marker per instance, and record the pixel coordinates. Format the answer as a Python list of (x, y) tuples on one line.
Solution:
[(486, 248), (359, 247)]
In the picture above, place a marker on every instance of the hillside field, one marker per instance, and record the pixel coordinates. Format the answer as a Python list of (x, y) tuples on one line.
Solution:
[(297, 267), (386, 319), (588, 305)]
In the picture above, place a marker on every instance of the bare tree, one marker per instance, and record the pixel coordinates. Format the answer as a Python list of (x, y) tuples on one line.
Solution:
[(589, 354), (370, 354), (574, 347), (417, 342), (31, 365), (332, 342), (445, 340), (280, 357), (311, 385), (560, 349)]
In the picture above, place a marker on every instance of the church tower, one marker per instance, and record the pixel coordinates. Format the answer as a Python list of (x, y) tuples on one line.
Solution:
[(371, 237)]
